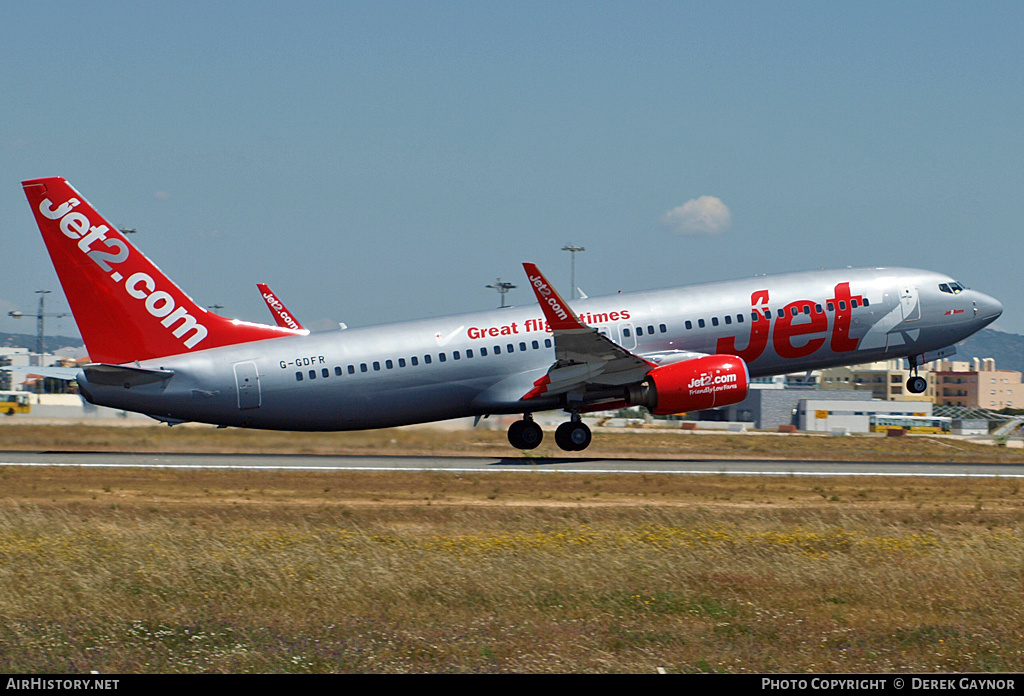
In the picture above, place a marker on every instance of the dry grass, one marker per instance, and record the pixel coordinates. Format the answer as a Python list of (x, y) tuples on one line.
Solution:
[(186, 571), (608, 443)]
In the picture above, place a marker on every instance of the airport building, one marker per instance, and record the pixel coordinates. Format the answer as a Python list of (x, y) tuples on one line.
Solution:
[(838, 416), (886, 380), (817, 410), (977, 384)]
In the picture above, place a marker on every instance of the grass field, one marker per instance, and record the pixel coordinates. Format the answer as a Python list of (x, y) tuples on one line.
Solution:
[(121, 570), (610, 443)]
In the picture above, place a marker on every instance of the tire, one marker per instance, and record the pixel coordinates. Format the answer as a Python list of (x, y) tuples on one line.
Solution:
[(562, 437), (525, 435), (531, 435), (580, 436), (573, 437)]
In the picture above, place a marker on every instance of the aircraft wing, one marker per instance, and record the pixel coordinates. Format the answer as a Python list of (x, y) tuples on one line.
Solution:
[(584, 358)]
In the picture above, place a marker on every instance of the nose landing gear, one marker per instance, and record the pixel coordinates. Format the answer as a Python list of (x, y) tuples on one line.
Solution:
[(916, 384)]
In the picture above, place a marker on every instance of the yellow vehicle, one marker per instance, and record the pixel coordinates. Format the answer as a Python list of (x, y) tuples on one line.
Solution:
[(12, 402), (911, 424)]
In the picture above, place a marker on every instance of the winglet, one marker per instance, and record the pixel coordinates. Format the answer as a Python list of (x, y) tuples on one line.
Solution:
[(281, 314), (557, 313)]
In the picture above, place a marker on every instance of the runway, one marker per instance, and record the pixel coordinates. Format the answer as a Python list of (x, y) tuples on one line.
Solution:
[(484, 465)]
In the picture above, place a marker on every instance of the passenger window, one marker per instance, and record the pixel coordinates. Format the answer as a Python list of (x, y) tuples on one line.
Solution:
[(547, 342), (793, 311), (312, 374), (511, 348), (536, 345), (625, 333), (842, 304), (298, 376), (455, 355), (376, 365), (363, 367), (739, 318), (522, 346), (426, 359), (662, 328), (817, 309), (351, 369), (325, 372), (650, 329), (714, 321), (728, 319), (497, 350), (831, 307), (483, 352), (414, 360), (700, 323), (689, 324), (639, 331), (807, 309), (767, 314), (853, 303), (401, 362), (388, 364), (338, 372), (866, 303), (469, 352), (441, 357)]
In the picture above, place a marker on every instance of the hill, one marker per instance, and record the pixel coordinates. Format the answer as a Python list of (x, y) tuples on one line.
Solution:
[(13, 340), (1006, 348)]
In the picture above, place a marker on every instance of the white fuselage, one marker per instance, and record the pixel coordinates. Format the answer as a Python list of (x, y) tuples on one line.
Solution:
[(485, 362)]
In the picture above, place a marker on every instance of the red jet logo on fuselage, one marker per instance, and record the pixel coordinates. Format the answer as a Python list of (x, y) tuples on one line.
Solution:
[(790, 325)]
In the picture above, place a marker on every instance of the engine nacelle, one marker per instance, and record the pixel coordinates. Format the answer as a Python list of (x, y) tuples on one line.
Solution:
[(692, 385)]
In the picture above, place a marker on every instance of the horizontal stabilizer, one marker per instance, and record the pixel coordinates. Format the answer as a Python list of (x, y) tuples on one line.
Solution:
[(65, 373), (122, 374)]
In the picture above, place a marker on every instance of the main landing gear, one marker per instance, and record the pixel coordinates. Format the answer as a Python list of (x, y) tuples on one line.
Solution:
[(525, 434), (572, 436), (916, 384)]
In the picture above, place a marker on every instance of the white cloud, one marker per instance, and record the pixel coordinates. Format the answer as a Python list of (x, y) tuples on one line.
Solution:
[(704, 215)]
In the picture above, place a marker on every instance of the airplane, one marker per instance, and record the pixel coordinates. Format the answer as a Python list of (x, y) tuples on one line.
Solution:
[(157, 352)]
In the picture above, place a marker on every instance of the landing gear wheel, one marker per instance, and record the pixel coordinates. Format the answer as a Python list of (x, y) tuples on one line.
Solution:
[(917, 384), (573, 436), (525, 434)]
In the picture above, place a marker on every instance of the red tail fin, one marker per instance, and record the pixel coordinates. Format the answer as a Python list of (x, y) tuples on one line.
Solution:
[(125, 307)]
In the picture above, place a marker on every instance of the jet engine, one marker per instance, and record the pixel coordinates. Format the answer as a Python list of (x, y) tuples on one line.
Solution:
[(691, 385)]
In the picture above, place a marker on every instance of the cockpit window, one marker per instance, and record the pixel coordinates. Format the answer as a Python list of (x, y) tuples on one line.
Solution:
[(953, 288)]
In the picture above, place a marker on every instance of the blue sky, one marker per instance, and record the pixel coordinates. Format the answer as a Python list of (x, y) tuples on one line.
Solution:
[(380, 161)]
